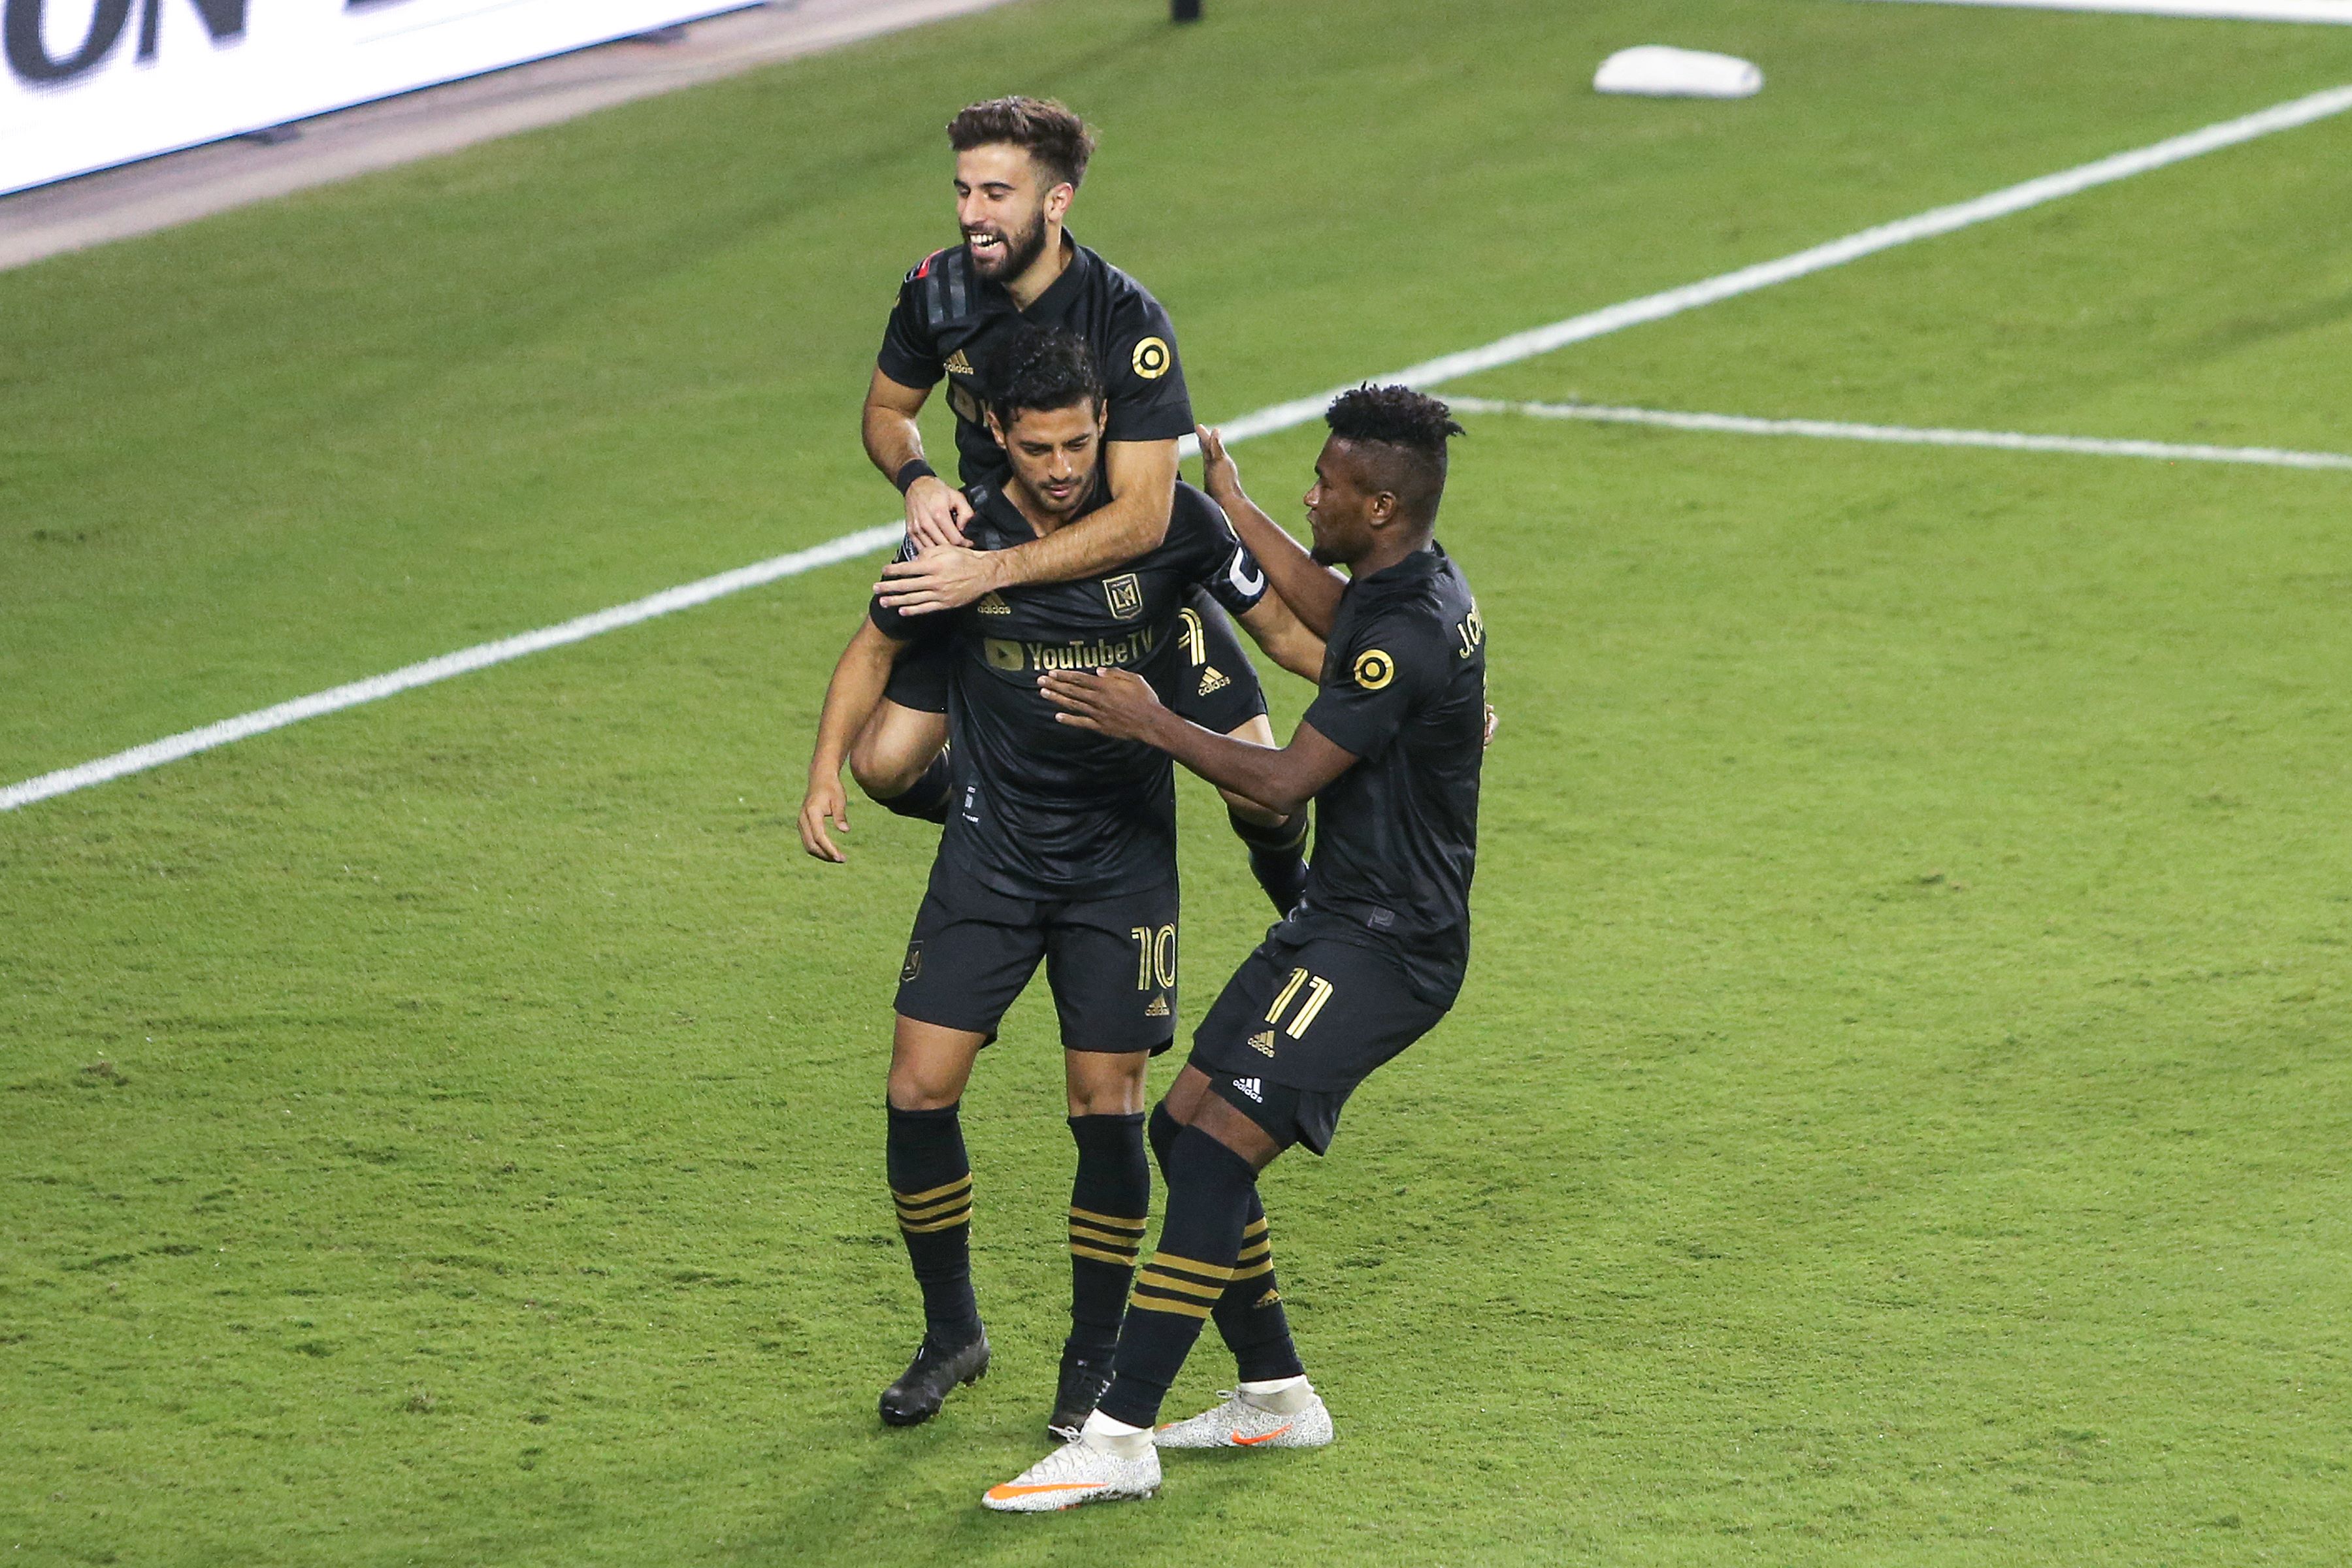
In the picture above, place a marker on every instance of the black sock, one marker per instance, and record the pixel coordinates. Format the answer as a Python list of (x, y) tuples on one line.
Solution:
[(1109, 1201), (930, 1183), (1278, 856), (1249, 1315), (927, 797), (1209, 1189)]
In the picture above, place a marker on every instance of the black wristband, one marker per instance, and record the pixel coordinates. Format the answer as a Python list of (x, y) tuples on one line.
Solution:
[(916, 469)]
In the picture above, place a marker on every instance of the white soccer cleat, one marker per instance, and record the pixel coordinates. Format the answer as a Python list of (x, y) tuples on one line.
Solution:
[(1241, 1423), (1078, 1472)]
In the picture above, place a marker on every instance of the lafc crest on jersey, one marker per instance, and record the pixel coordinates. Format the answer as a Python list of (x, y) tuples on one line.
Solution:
[(1124, 593)]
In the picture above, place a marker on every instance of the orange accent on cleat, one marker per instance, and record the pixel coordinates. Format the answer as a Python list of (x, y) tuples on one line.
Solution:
[(1262, 1437), (1002, 1493)]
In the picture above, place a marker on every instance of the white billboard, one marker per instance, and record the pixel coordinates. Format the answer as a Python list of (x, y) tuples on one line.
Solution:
[(89, 83)]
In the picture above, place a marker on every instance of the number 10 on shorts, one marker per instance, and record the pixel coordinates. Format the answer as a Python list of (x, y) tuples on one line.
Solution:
[(1318, 991), (1155, 955)]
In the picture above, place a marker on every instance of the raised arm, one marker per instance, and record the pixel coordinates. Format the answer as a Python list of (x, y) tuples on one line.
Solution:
[(1142, 479), (858, 680), (936, 510), (1312, 592), (1274, 626), (1118, 702)]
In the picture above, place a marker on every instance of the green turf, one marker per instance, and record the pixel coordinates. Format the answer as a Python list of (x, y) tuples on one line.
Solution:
[(1898, 1112)]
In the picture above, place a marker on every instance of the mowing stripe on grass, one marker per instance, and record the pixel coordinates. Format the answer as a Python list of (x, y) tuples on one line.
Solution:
[(1281, 416), (1909, 435)]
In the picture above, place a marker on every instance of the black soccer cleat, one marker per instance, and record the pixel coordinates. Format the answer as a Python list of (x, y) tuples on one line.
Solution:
[(931, 1377), (1077, 1393)]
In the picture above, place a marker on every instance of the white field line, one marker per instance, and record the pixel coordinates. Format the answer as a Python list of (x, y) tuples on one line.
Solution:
[(1909, 435), (1281, 416), (2211, 10)]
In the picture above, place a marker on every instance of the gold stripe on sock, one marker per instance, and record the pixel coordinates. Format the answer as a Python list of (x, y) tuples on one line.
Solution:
[(1154, 1279), (1251, 1254), (1107, 1237), (1264, 1266), (1256, 1229), (1108, 1221), (1208, 1271), (933, 1211), (934, 1194), (961, 1216), (1124, 1259), (1142, 1303)]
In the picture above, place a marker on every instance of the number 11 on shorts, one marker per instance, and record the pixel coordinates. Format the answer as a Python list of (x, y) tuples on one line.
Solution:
[(1318, 991)]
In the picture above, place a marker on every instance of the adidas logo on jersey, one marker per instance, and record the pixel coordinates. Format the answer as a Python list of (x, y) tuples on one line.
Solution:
[(1252, 1087), (993, 605), (1159, 1008), (1212, 679), (959, 365), (1263, 1042)]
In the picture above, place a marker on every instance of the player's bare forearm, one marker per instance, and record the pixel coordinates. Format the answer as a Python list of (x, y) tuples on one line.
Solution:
[(1276, 628), (1142, 479), (1116, 703), (859, 678), (892, 437), (936, 510), (1311, 591)]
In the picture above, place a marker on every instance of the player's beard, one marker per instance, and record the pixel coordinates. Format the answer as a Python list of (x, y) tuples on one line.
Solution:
[(1018, 253)]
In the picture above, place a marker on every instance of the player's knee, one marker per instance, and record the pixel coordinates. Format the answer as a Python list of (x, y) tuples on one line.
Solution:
[(1109, 1086), (912, 1089), (882, 770)]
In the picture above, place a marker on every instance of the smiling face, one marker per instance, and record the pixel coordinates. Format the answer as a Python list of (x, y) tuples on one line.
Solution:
[(1005, 206), (1054, 453), (1344, 508)]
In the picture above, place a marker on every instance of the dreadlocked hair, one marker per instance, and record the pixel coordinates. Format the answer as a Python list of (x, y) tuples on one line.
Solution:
[(1042, 369)]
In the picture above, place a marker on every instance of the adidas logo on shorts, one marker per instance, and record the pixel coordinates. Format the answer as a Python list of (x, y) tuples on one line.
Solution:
[(1252, 1087), (992, 605), (1213, 679), (1159, 1008), (1263, 1042), (959, 365)]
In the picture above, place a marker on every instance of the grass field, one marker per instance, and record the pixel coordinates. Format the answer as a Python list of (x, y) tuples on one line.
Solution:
[(1900, 1110)]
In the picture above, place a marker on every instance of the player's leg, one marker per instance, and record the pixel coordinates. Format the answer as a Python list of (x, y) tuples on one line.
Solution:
[(1249, 1316), (899, 759), (1112, 964), (965, 962), (1209, 1186), (1217, 688), (1111, 1201)]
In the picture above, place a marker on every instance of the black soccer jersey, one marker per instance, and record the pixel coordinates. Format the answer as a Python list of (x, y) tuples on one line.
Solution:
[(950, 321), (1042, 809), (1396, 836)]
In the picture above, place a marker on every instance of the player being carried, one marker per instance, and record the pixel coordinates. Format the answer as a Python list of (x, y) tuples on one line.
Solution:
[(1019, 163), (1367, 962), (1061, 845)]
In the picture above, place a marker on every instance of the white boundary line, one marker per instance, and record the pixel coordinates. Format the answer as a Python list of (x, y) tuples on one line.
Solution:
[(1909, 435), (2337, 11), (1281, 416)]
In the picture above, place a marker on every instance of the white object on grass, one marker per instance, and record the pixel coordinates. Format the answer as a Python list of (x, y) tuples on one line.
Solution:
[(1653, 70)]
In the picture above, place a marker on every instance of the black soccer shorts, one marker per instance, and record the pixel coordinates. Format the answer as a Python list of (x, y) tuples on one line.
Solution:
[(1111, 963), (1300, 1025)]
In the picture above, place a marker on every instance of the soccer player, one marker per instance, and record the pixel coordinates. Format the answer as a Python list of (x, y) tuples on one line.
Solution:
[(1369, 961), (1062, 846), (1019, 163)]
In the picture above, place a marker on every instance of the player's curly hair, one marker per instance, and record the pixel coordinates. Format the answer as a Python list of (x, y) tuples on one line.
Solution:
[(1060, 141), (1404, 434), (1042, 369)]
